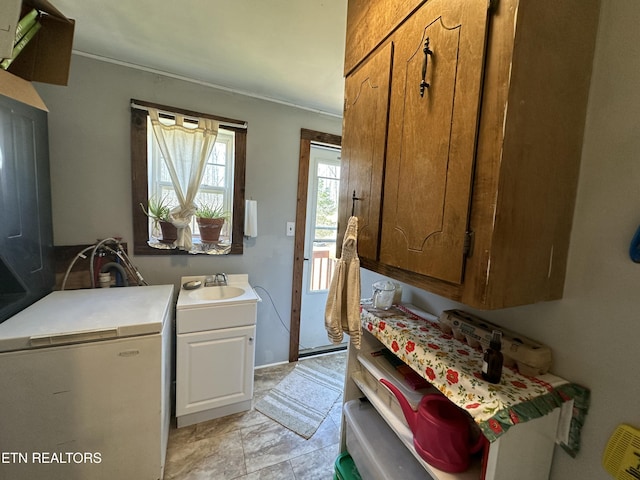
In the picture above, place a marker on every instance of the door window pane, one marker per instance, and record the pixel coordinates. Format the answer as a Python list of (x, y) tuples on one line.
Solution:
[(325, 228)]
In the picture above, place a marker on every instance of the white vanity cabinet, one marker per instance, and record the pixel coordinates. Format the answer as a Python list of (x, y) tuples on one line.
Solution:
[(524, 451), (215, 351)]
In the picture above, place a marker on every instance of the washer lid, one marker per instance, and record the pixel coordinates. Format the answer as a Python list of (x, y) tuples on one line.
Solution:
[(75, 316)]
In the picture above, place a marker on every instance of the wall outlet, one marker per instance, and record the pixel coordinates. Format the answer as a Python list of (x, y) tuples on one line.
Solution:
[(291, 229)]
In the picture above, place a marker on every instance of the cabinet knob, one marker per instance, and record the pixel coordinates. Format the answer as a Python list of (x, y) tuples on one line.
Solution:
[(250, 339)]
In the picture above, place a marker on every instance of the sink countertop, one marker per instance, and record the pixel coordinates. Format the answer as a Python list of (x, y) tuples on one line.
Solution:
[(185, 300)]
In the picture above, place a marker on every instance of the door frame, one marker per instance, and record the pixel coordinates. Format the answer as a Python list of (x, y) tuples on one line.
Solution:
[(307, 137)]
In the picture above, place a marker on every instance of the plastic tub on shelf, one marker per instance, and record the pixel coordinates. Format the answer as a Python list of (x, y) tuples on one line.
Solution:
[(375, 448), (375, 367)]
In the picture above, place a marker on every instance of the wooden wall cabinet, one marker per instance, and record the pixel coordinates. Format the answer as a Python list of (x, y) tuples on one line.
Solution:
[(467, 187)]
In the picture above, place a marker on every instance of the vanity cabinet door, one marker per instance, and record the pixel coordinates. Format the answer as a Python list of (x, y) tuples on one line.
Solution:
[(435, 97), (364, 139), (214, 368)]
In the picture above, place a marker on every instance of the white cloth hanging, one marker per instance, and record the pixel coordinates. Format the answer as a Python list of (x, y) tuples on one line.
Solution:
[(342, 312), (185, 151)]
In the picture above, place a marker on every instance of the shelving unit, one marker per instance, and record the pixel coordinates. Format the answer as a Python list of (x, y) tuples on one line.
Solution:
[(525, 451)]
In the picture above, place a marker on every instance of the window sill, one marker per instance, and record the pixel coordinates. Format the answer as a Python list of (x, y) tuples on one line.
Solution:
[(154, 247), (198, 248)]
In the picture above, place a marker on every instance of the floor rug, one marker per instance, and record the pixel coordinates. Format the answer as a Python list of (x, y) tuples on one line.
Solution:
[(302, 400)]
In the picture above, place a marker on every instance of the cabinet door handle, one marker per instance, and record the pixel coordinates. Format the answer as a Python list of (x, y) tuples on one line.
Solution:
[(354, 199), (427, 51)]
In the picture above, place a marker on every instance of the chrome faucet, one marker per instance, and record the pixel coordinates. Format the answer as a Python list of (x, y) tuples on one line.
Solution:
[(216, 280)]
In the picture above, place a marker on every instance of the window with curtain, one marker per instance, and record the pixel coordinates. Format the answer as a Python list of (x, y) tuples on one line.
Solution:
[(186, 165)]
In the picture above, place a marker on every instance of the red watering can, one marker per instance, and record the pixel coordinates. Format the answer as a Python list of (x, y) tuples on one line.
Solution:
[(441, 431)]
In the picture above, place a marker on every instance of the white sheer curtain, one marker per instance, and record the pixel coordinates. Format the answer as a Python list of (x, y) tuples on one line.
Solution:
[(185, 150)]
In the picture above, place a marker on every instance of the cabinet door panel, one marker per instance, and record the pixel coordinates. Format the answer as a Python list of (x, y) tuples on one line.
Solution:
[(214, 369), (369, 22), (432, 137), (363, 147)]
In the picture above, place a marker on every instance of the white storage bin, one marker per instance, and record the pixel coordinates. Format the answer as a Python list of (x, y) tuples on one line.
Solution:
[(375, 448), (373, 368)]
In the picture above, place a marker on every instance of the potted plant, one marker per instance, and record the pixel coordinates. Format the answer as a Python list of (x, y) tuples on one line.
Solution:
[(210, 220), (158, 210)]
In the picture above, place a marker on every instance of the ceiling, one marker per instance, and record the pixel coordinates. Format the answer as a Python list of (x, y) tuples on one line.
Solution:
[(288, 51)]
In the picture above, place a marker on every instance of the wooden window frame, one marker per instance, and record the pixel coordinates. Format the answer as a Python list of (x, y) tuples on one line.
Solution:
[(139, 178)]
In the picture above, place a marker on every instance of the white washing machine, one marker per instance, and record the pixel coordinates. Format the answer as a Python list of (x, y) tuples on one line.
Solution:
[(215, 347)]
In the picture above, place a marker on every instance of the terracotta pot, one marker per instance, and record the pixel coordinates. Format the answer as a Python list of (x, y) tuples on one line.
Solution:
[(169, 232), (210, 229)]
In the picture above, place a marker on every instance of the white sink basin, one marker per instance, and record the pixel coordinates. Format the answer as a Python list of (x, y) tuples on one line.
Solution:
[(216, 293), (237, 291)]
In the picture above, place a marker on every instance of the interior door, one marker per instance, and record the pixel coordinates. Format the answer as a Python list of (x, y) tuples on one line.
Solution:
[(307, 139), (320, 244), (435, 98)]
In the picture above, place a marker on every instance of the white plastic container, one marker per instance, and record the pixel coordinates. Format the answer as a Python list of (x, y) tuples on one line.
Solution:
[(373, 368), (376, 450)]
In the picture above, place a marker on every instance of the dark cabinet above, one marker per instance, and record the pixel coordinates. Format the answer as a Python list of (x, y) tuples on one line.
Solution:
[(462, 138)]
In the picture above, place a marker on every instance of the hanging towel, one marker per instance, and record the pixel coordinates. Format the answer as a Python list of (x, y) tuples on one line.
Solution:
[(342, 312)]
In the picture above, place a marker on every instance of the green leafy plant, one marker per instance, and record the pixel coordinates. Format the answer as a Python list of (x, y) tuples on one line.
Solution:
[(206, 210), (157, 209)]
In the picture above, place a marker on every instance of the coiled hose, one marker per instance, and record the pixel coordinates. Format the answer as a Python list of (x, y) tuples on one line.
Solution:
[(126, 267)]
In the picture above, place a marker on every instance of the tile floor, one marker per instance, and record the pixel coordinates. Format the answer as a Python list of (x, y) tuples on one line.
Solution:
[(251, 446)]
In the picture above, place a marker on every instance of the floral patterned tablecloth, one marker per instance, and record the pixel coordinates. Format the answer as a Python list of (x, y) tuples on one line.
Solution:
[(454, 368)]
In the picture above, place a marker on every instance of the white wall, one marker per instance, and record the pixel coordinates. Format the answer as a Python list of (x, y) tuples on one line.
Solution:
[(91, 178), (593, 331)]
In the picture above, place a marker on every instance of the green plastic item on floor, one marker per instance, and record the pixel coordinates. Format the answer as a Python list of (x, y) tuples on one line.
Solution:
[(345, 468)]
